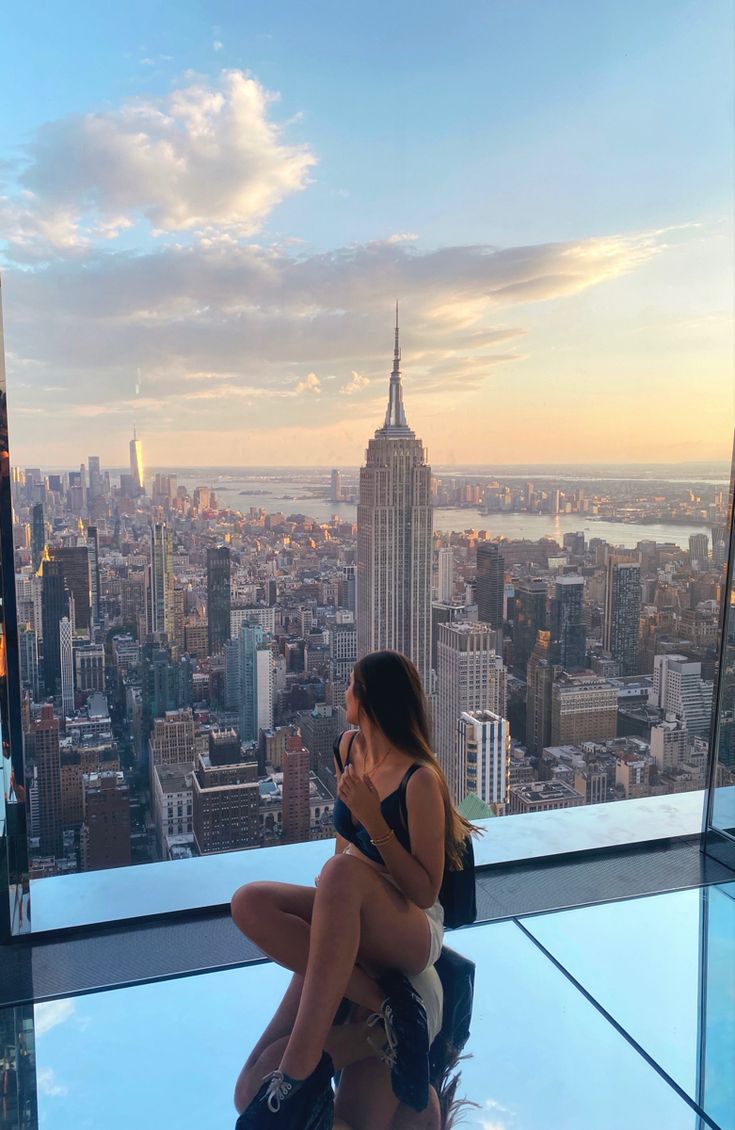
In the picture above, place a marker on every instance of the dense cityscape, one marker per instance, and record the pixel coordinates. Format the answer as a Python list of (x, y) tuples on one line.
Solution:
[(184, 661)]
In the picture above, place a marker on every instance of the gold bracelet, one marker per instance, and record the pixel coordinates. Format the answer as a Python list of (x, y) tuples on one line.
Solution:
[(382, 839)]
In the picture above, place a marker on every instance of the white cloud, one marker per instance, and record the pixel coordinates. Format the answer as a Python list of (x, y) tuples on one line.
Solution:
[(49, 1014), (48, 1084), (202, 157), (357, 382), (310, 383), (236, 332)]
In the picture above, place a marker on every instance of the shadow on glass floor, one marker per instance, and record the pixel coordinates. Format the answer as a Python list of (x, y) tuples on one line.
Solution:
[(542, 1057)]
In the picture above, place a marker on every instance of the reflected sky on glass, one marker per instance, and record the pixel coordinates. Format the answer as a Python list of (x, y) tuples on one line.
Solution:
[(641, 961), (168, 1054)]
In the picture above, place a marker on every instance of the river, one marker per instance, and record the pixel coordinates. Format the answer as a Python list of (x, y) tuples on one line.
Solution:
[(293, 495)]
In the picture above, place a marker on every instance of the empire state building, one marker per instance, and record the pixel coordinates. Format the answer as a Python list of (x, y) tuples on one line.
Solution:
[(394, 538)]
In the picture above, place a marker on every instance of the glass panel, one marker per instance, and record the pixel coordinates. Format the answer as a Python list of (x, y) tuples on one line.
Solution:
[(717, 1024), (641, 960), (93, 1048)]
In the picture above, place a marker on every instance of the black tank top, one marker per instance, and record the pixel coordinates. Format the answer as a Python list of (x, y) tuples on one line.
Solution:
[(390, 808)]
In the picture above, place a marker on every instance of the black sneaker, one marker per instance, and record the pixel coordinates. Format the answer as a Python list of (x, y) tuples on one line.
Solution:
[(407, 1039), (283, 1103)]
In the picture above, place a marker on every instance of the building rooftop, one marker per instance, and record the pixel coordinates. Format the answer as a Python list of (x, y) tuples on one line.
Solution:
[(546, 790)]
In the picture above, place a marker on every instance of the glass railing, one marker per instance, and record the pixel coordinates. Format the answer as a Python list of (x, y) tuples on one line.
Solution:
[(182, 608)]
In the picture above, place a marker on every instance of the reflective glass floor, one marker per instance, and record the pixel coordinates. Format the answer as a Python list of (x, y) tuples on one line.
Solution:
[(615, 1016)]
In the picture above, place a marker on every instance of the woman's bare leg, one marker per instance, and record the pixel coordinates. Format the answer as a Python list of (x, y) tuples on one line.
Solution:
[(346, 1044), (277, 917), (280, 1023), (355, 913)]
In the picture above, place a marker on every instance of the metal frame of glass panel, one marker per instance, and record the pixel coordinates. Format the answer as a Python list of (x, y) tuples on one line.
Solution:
[(14, 875), (719, 841)]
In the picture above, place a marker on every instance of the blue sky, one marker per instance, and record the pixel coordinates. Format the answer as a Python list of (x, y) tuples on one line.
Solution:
[(358, 155)]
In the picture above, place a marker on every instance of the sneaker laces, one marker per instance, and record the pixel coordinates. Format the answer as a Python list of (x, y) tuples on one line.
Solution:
[(389, 1053), (278, 1089)]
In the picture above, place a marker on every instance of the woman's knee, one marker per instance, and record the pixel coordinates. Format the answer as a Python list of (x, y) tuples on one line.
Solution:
[(343, 876), (249, 904)]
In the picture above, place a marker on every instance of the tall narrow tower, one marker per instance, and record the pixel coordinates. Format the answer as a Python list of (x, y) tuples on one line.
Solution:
[(218, 597), (136, 465), (162, 579), (394, 531)]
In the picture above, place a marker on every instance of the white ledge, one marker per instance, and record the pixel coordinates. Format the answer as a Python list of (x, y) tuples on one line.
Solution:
[(95, 897)]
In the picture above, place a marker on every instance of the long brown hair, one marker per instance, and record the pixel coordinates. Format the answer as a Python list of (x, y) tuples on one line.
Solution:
[(388, 688)]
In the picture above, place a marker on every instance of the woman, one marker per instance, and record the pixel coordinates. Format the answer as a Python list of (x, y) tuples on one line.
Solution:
[(374, 917)]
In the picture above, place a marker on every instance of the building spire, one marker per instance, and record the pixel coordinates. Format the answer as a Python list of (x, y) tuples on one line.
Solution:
[(396, 349), (395, 416)]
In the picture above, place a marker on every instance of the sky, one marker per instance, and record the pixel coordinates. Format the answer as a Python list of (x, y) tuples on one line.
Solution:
[(208, 211)]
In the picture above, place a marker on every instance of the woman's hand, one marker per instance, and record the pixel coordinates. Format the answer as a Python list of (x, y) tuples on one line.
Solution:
[(360, 796)]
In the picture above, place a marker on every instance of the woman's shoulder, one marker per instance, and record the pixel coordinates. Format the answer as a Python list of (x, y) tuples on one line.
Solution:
[(345, 741), (421, 779)]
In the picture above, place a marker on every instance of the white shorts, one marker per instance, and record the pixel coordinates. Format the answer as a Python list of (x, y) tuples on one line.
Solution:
[(429, 988), (435, 915)]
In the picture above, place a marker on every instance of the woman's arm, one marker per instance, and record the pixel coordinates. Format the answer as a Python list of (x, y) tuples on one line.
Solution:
[(418, 873)]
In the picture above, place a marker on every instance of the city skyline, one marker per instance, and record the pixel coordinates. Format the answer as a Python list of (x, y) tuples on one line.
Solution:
[(563, 261)]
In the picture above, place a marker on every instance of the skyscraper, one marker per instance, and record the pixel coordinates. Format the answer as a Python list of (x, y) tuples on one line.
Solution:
[(529, 617), (541, 672), (66, 657), (483, 749), (136, 466), (490, 583), (249, 680), (623, 614), (394, 531), (38, 534), (218, 597), (54, 605), (28, 648), (162, 579), (568, 641), (95, 478), (470, 676), (48, 762), (445, 575), (335, 492), (296, 811), (94, 571), (75, 564), (719, 545), (699, 550)]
